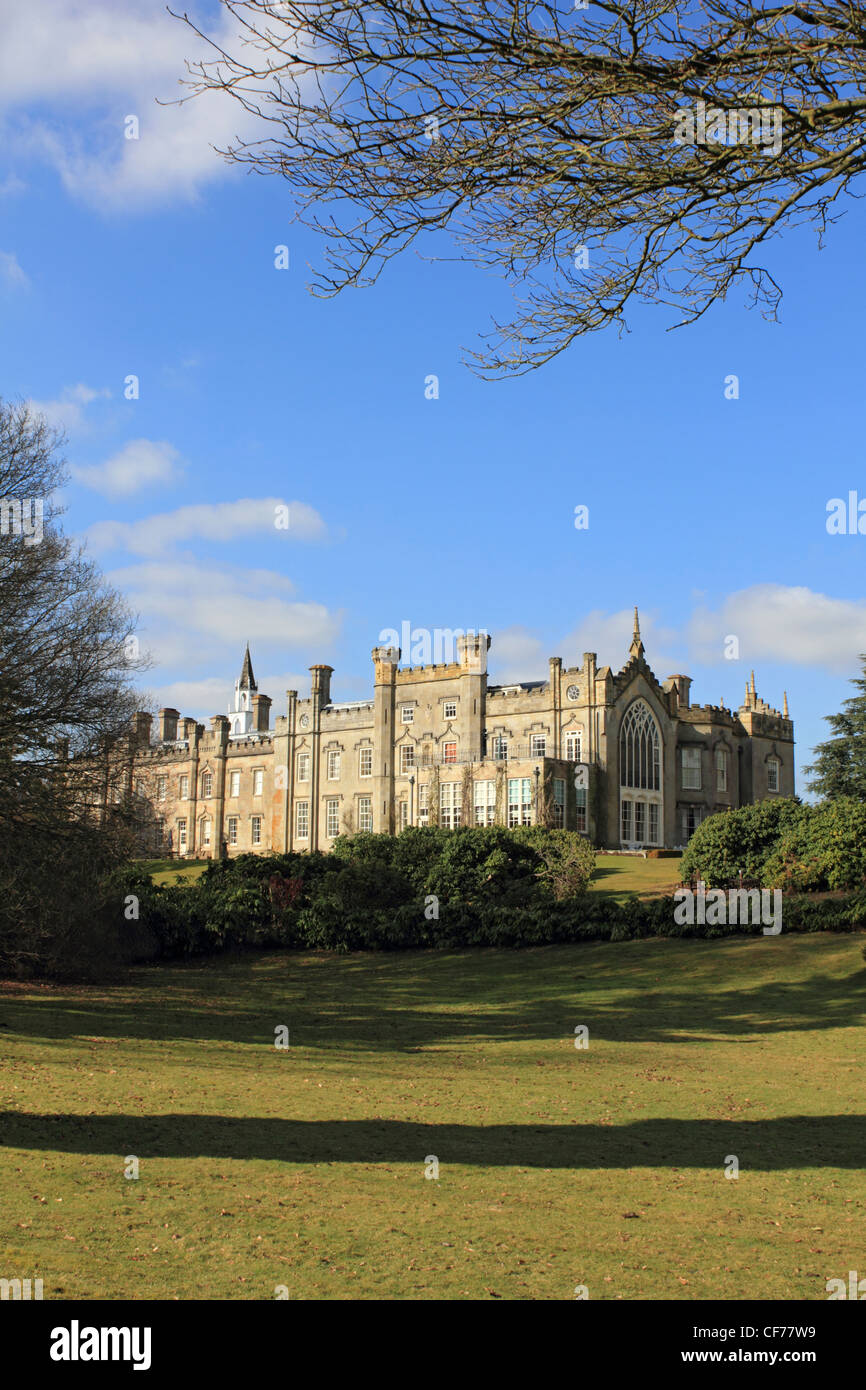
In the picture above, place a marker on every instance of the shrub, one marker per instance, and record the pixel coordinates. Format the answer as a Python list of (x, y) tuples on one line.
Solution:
[(740, 840), (821, 850), (567, 860), (485, 862)]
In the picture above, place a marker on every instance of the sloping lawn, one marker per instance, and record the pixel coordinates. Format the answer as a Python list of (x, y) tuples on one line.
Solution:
[(558, 1166), (171, 871), (621, 876)]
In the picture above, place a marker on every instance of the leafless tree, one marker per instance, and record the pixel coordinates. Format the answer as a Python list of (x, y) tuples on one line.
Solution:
[(553, 142), (66, 704)]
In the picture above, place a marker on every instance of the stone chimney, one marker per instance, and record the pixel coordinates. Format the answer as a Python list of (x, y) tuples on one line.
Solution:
[(168, 725), (262, 713), (321, 691), (683, 686), (141, 723)]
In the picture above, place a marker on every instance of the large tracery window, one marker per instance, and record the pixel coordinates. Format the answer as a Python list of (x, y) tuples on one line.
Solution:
[(639, 749)]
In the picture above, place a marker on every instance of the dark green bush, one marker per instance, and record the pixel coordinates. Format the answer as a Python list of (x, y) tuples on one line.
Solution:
[(825, 849), (441, 889), (740, 840)]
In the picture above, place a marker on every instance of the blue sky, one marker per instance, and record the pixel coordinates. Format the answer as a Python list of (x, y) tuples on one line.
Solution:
[(152, 258)]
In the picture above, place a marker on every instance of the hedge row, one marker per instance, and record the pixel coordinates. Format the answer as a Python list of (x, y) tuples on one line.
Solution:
[(369, 895)]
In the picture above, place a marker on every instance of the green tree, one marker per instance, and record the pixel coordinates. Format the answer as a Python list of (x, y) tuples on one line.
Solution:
[(839, 768)]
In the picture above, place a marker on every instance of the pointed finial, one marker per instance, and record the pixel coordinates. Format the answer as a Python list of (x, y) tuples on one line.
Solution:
[(247, 679), (785, 704), (752, 683), (636, 648)]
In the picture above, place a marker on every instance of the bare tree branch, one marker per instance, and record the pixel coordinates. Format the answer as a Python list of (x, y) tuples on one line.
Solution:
[(551, 142)]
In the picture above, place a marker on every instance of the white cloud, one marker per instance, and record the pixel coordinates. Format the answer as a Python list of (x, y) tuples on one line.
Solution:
[(103, 60), (788, 624), (773, 623), (192, 614), (214, 521), (10, 270), (67, 412), (516, 654), (140, 463), (791, 625), (610, 634)]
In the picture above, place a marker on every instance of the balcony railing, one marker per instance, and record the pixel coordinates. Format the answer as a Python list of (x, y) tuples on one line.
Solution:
[(516, 753)]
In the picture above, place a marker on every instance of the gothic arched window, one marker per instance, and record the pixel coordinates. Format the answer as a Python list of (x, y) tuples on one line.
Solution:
[(639, 749)]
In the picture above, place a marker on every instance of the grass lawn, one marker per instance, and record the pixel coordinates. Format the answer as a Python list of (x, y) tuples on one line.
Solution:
[(620, 876), (559, 1167), (173, 870)]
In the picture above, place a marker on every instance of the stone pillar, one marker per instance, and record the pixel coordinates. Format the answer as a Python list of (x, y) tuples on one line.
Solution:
[(555, 678), (284, 775), (319, 697), (220, 737), (385, 663), (192, 732)]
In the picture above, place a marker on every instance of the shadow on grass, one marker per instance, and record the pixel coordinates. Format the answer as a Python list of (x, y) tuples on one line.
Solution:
[(650, 991), (794, 1141)]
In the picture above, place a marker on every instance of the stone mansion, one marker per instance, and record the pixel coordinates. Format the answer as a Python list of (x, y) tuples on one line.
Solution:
[(620, 757)]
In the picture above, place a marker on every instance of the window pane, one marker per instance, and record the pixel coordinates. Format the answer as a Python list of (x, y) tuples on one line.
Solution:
[(639, 748)]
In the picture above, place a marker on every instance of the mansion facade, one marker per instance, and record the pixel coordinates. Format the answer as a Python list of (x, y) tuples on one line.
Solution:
[(620, 757)]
